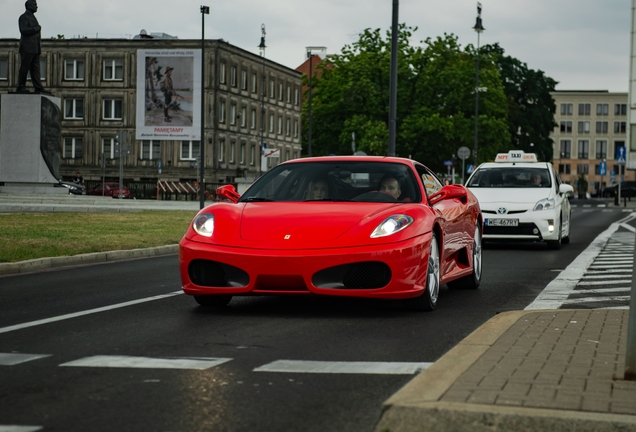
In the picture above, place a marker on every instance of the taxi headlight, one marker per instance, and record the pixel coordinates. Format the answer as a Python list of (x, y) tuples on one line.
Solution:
[(544, 204), (203, 224), (392, 225)]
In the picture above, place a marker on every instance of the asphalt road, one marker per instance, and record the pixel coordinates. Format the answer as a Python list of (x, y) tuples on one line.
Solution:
[(40, 316)]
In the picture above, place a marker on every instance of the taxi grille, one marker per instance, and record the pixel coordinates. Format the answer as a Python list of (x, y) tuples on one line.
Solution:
[(522, 229)]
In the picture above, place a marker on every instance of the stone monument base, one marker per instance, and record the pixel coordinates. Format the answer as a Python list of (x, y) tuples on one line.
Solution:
[(30, 144)]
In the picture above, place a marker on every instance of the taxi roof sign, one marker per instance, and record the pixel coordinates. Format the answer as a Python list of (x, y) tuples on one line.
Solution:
[(516, 156)]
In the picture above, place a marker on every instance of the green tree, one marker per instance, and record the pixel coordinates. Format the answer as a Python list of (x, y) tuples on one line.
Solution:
[(436, 97), (531, 107)]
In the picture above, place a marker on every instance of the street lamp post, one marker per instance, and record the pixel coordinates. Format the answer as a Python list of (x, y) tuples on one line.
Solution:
[(205, 10), (262, 47), (478, 28), (393, 79)]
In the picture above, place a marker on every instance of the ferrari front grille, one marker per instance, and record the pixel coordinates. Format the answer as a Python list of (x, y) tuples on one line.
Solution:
[(215, 274), (367, 275)]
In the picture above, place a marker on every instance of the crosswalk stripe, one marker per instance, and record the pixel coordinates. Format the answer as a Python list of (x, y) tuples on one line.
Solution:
[(589, 283), (341, 367), (603, 291), (16, 428), (199, 363), (596, 299), (11, 359)]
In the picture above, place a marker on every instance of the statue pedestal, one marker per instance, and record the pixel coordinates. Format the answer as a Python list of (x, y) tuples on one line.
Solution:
[(30, 144)]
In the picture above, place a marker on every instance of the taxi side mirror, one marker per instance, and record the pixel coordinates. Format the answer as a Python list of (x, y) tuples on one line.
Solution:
[(566, 189)]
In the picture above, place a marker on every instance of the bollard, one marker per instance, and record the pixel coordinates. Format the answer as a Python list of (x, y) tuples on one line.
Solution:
[(616, 199)]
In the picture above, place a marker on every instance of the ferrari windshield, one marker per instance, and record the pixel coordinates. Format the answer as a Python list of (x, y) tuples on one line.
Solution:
[(336, 181), (510, 177)]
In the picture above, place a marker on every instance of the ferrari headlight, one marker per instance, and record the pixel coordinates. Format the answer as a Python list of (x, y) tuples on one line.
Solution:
[(203, 224), (544, 204), (392, 225)]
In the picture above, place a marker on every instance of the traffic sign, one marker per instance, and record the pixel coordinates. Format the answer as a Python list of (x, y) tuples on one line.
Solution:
[(621, 155), (602, 168), (448, 163), (470, 168), (463, 153)]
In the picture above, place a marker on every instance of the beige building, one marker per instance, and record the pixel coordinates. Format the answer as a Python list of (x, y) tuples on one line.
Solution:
[(97, 81), (590, 126)]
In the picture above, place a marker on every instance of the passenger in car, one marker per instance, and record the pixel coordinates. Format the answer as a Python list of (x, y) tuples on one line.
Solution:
[(317, 190)]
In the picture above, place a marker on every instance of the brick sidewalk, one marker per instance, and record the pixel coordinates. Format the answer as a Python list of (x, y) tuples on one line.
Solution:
[(570, 360)]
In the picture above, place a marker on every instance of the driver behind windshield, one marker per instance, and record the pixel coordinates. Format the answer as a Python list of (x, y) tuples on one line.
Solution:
[(390, 185), (318, 190)]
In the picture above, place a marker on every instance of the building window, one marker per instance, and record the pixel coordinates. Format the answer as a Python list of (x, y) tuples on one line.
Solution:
[(619, 109), (112, 109), (253, 119), (108, 148), (288, 93), (295, 128), (222, 73), (221, 149), (584, 149), (566, 108), (564, 169), (272, 85), (252, 154), (4, 69), (585, 109), (566, 148), (280, 91), (242, 155), (602, 127), (113, 70), (233, 114), (601, 149), (582, 169), (620, 127), (42, 70), (296, 96), (566, 126), (243, 79), (150, 150), (287, 127), (73, 148), (287, 154), (271, 123), (233, 76), (602, 109), (74, 70), (243, 116), (74, 109), (254, 85), (280, 125), (222, 111), (232, 151), (584, 127), (190, 150)]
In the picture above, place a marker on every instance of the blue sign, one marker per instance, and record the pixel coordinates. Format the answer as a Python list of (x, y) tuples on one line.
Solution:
[(602, 168), (621, 155), (448, 163), (470, 168)]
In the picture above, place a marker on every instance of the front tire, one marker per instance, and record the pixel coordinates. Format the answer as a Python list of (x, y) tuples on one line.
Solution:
[(213, 300), (473, 280), (428, 300), (556, 244)]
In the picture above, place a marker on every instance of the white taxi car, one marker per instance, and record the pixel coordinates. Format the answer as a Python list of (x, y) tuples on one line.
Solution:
[(522, 199)]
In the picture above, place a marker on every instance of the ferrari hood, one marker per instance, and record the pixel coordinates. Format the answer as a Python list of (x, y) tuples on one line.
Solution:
[(303, 222), (510, 195)]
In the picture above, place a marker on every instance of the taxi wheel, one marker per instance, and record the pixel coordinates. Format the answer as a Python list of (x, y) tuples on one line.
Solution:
[(428, 300), (566, 239), (556, 244), (473, 280), (213, 300)]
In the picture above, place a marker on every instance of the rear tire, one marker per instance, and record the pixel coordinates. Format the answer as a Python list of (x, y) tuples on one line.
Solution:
[(428, 300), (473, 280), (213, 300)]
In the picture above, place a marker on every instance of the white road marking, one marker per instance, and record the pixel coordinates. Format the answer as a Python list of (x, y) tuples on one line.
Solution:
[(603, 291), (622, 281), (596, 299), (86, 312), (199, 363), (340, 367), (607, 266), (11, 359), (628, 227), (587, 205), (627, 210), (601, 205), (557, 291), (587, 211), (608, 210), (604, 276), (16, 428)]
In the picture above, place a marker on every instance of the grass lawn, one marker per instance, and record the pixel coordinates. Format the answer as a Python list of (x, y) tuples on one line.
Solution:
[(38, 235)]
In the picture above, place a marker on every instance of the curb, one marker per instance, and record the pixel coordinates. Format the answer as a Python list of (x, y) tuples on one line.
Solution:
[(417, 406), (89, 258)]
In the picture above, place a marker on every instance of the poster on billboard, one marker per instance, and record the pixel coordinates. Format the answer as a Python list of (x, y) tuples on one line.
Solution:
[(168, 94)]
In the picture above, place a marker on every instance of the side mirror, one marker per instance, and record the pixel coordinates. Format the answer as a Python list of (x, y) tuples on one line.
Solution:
[(566, 189), (228, 192), (449, 192)]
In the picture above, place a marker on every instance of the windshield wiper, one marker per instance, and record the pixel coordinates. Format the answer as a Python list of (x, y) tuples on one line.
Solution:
[(256, 199), (328, 199)]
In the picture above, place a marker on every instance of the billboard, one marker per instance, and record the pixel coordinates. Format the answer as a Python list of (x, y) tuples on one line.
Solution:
[(168, 94)]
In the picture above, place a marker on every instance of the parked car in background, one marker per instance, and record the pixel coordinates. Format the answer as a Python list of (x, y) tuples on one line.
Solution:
[(109, 189), (628, 189), (73, 188)]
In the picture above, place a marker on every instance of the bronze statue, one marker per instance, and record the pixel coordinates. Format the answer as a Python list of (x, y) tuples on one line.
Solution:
[(30, 49)]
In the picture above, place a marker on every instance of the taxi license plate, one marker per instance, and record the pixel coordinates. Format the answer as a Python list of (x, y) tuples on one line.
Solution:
[(502, 222)]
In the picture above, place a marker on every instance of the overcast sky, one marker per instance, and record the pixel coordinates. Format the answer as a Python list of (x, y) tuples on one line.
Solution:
[(582, 44)]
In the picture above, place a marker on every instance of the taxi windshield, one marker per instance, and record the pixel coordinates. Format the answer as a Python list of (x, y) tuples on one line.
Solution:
[(510, 177)]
